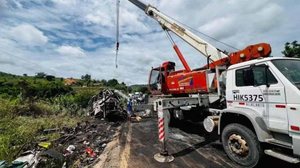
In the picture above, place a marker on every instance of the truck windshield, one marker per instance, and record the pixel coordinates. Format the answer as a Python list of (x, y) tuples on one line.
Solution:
[(290, 69), (154, 79)]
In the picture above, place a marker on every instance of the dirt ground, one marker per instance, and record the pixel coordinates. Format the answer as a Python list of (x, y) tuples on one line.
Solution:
[(137, 143)]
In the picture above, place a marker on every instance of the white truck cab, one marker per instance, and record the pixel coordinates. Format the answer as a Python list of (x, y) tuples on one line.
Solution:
[(263, 107)]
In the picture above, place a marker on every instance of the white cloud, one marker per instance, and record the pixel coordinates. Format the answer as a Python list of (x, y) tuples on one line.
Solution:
[(220, 27), (99, 18), (71, 51), (65, 2), (28, 35), (268, 18), (78, 35), (2, 4)]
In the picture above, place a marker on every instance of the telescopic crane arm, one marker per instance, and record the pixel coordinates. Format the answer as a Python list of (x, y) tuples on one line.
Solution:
[(216, 56), (169, 24)]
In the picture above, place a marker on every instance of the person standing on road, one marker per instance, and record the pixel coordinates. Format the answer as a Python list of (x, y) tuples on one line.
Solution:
[(129, 109)]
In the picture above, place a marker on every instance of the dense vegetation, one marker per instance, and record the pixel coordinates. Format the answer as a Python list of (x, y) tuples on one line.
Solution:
[(31, 104)]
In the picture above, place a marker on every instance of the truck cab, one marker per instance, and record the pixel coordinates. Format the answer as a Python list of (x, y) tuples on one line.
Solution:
[(263, 96), (157, 78)]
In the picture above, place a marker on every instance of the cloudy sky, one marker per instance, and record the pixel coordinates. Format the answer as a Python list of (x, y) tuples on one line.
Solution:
[(69, 38)]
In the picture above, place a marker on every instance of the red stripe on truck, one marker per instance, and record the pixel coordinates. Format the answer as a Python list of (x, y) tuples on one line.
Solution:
[(295, 128), (279, 106)]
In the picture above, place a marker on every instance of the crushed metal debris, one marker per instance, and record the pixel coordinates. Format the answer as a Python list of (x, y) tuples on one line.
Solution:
[(76, 147), (107, 102)]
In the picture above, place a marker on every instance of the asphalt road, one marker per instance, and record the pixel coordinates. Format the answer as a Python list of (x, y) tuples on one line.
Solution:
[(188, 143)]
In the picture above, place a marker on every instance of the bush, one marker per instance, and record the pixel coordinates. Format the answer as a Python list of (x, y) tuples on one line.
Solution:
[(43, 89), (32, 88), (8, 107)]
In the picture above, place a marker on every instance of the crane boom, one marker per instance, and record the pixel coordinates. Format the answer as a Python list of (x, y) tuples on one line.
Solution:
[(169, 24)]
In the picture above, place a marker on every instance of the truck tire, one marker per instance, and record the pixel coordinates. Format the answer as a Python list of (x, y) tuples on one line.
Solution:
[(241, 145), (174, 122)]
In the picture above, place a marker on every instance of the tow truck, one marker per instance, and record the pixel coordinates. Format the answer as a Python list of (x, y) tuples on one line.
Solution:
[(251, 98)]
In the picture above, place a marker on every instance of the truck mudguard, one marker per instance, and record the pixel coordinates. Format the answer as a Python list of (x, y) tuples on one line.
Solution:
[(254, 117)]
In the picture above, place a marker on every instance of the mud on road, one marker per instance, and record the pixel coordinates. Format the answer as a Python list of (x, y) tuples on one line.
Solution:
[(188, 143)]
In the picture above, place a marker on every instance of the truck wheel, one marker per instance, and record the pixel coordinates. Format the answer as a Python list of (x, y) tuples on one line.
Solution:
[(173, 120), (241, 145)]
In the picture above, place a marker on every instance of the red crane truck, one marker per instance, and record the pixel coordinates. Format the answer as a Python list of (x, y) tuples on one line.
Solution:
[(252, 99)]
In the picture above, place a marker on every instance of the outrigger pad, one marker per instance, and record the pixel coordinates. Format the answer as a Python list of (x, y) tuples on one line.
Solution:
[(163, 158)]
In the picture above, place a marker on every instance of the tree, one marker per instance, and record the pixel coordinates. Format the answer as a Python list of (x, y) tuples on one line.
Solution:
[(40, 75), (112, 82), (144, 89), (104, 82), (26, 90), (50, 77), (292, 49), (121, 86), (79, 83), (86, 77), (139, 88)]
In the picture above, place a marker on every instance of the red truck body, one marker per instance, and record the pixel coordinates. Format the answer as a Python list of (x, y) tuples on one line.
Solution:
[(187, 81)]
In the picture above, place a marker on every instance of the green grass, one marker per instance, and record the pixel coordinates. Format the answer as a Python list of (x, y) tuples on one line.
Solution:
[(15, 132), (21, 121)]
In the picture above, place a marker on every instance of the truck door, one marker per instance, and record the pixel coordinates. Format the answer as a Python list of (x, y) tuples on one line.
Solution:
[(257, 88), (273, 92)]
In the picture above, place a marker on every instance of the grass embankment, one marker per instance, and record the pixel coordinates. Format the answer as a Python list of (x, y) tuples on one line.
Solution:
[(19, 131), (22, 122), (29, 105)]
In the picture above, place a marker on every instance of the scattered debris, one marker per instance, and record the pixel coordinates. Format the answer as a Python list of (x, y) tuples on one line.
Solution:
[(146, 113), (51, 158), (43, 139), (28, 159), (76, 147), (84, 143), (45, 145), (103, 145), (90, 152), (138, 118), (51, 130), (70, 149), (3, 164)]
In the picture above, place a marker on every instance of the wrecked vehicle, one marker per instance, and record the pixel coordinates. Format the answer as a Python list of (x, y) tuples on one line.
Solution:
[(107, 102)]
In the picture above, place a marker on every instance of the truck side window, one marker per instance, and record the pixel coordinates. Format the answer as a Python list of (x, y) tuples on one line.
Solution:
[(242, 77), (239, 80), (260, 77), (257, 77)]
